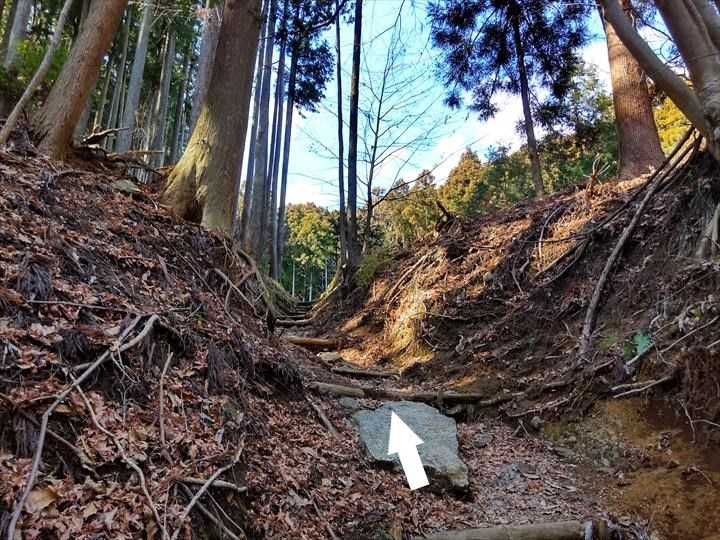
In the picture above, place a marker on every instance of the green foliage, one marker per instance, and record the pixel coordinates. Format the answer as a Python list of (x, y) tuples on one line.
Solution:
[(481, 55), (408, 211), (671, 124), (311, 241), (642, 342), (30, 56), (369, 267)]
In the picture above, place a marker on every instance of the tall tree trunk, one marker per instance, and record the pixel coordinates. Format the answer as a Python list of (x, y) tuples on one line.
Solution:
[(247, 193), (7, 32), (115, 109), (161, 107), (640, 148), (277, 146), (701, 58), (202, 184), (208, 45), (282, 209), (18, 30), (100, 110), (352, 241), (341, 144), (525, 97), (258, 208), (132, 99), (54, 124), (666, 79), (178, 123)]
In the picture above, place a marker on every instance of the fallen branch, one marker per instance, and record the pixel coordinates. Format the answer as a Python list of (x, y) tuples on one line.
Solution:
[(128, 461), (636, 388), (325, 420), (315, 343), (560, 530), (655, 182), (356, 372), (100, 136), (161, 406), (219, 524), (186, 511), (287, 323), (116, 347), (220, 484), (403, 395), (666, 349)]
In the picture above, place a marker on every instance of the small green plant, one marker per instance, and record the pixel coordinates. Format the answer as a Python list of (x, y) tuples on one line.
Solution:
[(369, 267), (607, 342)]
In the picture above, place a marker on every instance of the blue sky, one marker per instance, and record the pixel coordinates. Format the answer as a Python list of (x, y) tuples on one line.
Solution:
[(313, 169)]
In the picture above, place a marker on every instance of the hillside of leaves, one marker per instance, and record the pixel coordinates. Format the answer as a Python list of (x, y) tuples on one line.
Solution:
[(497, 304)]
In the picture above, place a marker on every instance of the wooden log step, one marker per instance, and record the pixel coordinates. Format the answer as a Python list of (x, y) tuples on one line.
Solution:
[(333, 344), (559, 530)]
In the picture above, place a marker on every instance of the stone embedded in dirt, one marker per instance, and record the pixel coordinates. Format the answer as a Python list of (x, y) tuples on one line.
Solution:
[(330, 357), (563, 452), (349, 403), (439, 451), (536, 423), (483, 440)]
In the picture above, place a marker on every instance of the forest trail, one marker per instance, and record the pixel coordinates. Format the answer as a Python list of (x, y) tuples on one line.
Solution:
[(480, 321)]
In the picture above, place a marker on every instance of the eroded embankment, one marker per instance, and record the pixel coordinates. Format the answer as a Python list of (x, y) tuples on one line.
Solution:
[(495, 306)]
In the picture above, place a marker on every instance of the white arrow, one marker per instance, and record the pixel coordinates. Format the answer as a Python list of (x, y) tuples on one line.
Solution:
[(404, 442)]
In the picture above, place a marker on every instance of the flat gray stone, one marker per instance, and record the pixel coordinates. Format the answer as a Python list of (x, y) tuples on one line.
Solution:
[(439, 451), (330, 357), (483, 440), (349, 403)]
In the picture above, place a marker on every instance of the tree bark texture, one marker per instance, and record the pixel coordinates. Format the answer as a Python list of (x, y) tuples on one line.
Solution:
[(18, 30), (258, 208), (701, 58), (178, 123), (161, 107), (341, 145), (201, 186), (208, 46), (352, 230), (54, 124), (132, 100), (639, 143)]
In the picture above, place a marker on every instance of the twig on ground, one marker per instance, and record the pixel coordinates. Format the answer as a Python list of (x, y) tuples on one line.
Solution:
[(186, 511), (325, 420), (116, 347), (161, 405), (636, 388), (219, 524), (128, 461), (220, 484), (666, 349)]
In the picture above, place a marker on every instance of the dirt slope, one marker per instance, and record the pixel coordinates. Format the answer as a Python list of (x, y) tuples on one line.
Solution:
[(87, 268), (495, 306)]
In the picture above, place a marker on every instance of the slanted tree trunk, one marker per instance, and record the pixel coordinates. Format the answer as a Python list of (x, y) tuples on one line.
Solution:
[(525, 98), (701, 58), (178, 123), (208, 45), (201, 186), (258, 208), (54, 124), (277, 146), (18, 30), (352, 230), (247, 193), (666, 79), (341, 145), (640, 148), (132, 99), (282, 208), (161, 107), (14, 116)]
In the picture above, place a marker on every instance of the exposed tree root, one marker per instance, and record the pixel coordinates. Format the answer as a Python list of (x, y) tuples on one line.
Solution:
[(316, 343)]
